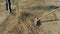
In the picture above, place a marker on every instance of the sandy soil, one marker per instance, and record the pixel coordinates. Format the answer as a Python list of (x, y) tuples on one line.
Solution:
[(22, 19)]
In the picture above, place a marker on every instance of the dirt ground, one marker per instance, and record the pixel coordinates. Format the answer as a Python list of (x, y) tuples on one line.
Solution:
[(22, 21)]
